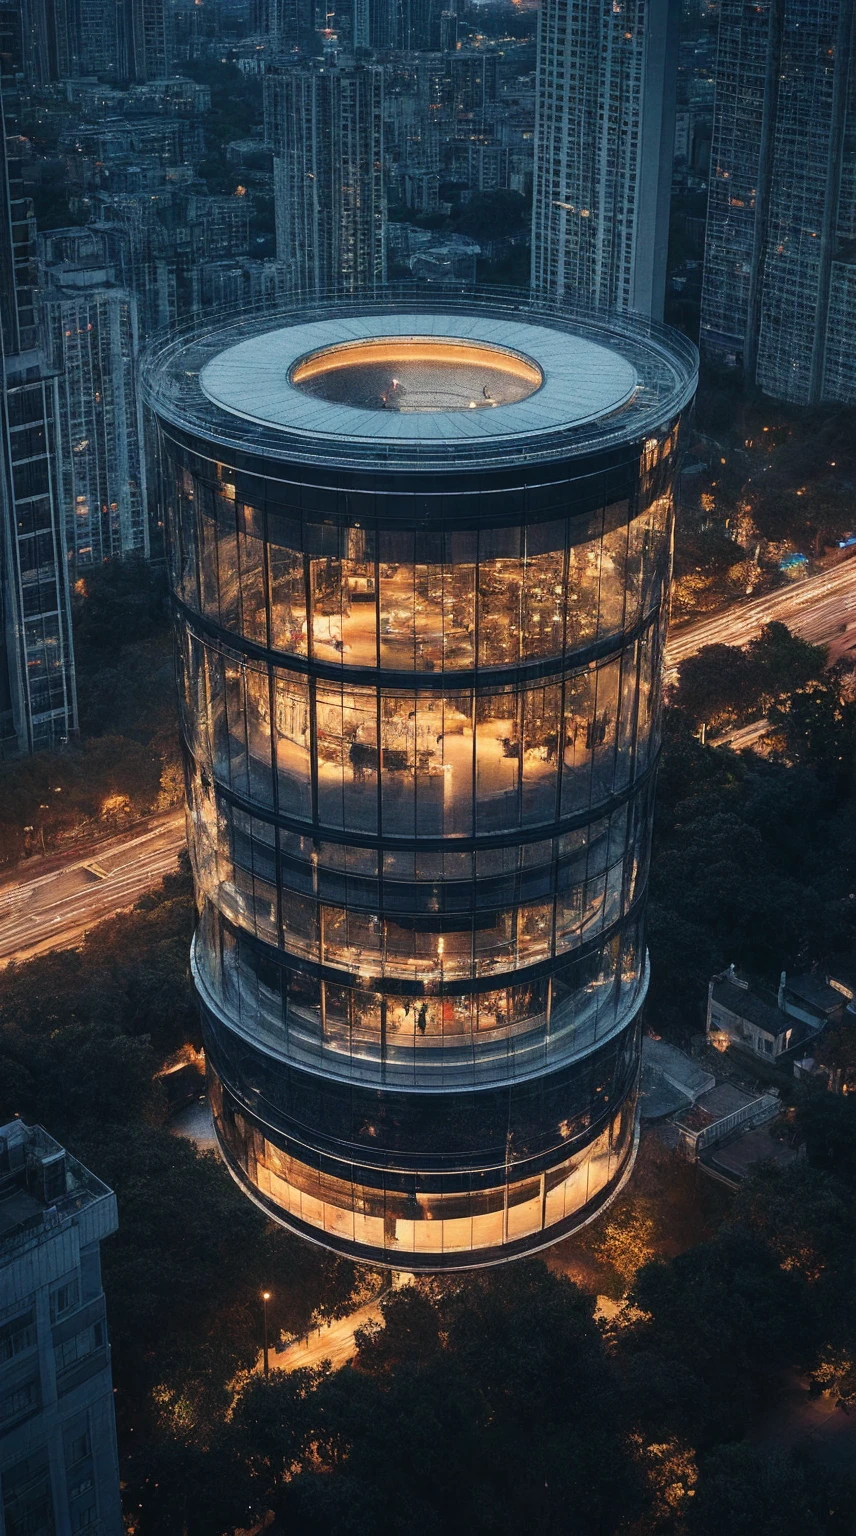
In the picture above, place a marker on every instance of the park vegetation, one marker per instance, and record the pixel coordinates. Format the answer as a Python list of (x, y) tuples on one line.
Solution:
[(764, 482), (83, 1035), (753, 856)]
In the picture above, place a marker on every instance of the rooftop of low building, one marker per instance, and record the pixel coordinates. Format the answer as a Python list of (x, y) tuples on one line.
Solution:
[(40, 1183), (812, 988), (746, 1004)]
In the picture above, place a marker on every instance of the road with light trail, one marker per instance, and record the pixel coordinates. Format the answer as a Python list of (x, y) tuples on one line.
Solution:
[(820, 608), (49, 909), (52, 903)]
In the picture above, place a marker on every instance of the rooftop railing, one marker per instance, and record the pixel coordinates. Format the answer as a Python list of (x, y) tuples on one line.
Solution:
[(666, 363)]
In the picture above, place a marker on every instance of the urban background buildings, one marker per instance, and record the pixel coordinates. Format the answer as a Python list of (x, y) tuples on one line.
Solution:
[(325, 127), (37, 689), (779, 276), (379, 142), (604, 147)]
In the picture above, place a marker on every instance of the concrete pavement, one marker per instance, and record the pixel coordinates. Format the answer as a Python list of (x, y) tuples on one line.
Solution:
[(335, 1341), (742, 736)]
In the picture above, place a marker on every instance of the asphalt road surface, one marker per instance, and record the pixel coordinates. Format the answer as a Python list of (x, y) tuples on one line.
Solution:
[(333, 1341), (821, 609), (51, 903)]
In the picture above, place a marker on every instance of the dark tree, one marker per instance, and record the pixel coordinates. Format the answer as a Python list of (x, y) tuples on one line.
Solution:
[(746, 1491)]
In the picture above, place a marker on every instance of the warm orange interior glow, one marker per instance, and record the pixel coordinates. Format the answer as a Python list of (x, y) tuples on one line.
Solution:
[(398, 350)]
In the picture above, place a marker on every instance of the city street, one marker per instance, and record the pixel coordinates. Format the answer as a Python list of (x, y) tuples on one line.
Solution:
[(53, 908), (51, 903), (821, 609), (332, 1341)]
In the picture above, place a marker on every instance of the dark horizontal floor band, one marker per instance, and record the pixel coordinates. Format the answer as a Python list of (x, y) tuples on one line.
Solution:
[(460, 987)]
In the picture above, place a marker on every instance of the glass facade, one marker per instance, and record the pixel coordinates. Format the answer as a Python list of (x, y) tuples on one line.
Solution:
[(421, 717)]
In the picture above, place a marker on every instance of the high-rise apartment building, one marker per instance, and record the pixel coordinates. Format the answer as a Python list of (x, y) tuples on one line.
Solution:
[(326, 128), (59, 1470), (91, 334), (420, 557), (145, 39), (604, 140), (127, 40), (779, 292), (37, 694), (286, 22)]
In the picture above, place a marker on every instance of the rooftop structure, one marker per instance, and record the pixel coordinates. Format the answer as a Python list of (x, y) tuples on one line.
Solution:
[(769, 1027), (420, 559), (58, 1463), (635, 373)]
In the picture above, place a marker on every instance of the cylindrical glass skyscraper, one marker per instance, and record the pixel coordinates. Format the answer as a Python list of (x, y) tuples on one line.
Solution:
[(420, 557)]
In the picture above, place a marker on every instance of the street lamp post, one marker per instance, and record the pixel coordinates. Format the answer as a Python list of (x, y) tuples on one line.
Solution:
[(265, 1300)]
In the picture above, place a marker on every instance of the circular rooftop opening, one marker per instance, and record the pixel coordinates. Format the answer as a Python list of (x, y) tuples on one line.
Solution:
[(417, 373)]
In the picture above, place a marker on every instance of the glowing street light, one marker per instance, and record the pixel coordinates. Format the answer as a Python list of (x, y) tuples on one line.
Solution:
[(265, 1300)]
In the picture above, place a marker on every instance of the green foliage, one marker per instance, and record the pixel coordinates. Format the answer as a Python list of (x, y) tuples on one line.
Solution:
[(703, 549), (47, 797), (126, 761), (117, 605), (82, 1034), (410, 1331), (236, 98), (827, 1122), (790, 468), (487, 216), (818, 728), (752, 863), (728, 1319), (492, 1405), (805, 1216), (126, 993), (784, 662), (809, 512), (50, 194), (746, 1491), (722, 681), (716, 680), (510, 269), (492, 215), (837, 1052)]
